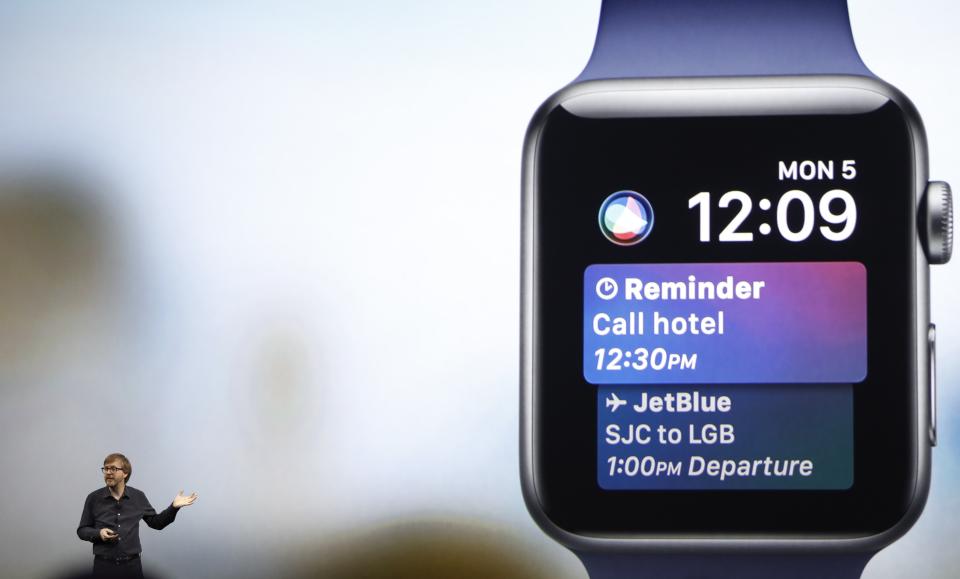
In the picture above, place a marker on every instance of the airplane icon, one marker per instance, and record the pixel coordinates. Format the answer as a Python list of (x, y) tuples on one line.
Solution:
[(615, 402)]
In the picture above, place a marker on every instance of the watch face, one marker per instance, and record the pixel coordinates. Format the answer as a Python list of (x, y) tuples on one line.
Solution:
[(748, 364)]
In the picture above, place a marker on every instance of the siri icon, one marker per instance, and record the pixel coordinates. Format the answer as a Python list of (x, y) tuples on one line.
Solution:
[(626, 218)]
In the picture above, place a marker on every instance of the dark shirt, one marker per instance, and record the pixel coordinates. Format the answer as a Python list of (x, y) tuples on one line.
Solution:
[(101, 511)]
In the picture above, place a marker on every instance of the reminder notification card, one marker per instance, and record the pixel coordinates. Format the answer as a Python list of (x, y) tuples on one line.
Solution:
[(724, 323)]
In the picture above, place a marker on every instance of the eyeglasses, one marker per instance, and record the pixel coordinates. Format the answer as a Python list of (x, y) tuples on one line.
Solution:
[(110, 469)]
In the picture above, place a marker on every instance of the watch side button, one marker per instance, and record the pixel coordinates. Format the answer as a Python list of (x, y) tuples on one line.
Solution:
[(932, 345)]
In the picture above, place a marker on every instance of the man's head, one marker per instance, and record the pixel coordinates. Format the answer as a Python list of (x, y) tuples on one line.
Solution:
[(116, 469)]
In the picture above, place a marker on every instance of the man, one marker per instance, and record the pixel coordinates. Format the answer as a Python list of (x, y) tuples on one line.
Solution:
[(111, 520)]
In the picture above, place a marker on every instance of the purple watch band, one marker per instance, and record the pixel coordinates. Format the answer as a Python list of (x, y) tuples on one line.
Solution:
[(725, 566), (684, 38), (680, 38)]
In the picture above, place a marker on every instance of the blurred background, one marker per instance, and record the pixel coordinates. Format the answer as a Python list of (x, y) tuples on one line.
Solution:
[(270, 251)]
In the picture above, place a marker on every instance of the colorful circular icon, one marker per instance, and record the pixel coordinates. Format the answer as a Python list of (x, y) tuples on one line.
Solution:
[(626, 218)]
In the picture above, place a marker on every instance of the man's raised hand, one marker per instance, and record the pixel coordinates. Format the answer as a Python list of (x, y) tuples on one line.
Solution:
[(108, 535), (182, 500)]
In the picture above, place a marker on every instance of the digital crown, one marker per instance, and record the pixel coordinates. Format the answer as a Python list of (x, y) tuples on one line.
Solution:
[(936, 228)]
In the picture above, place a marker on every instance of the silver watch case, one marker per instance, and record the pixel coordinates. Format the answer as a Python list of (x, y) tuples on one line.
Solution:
[(722, 96)]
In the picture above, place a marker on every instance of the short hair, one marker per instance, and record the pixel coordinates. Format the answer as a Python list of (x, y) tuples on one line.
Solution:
[(127, 467)]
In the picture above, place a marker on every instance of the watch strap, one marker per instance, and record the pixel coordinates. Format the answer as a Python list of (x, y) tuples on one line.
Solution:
[(690, 38), (725, 565), (682, 38)]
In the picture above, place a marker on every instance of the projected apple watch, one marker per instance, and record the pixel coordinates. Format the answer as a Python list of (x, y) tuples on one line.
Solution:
[(741, 368), (748, 389)]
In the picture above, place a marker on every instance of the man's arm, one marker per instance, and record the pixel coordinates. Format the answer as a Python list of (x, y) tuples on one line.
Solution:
[(160, 520), (156, 520), (86, 529)]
